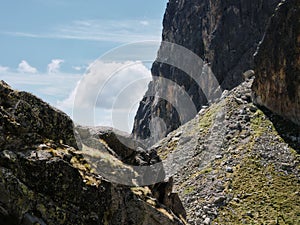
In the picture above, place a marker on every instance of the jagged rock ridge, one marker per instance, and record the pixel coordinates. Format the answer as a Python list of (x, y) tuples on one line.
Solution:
[(26, 119), (45, 181), (243, 165), (225, 34)]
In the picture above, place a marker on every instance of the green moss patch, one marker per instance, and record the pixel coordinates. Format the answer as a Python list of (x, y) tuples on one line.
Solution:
[(168, 149), (206, 121), (188, 190), (261, 196)]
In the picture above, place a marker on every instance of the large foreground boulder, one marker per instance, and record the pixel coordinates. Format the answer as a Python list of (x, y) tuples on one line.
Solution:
[(26, 120), (45, 179)]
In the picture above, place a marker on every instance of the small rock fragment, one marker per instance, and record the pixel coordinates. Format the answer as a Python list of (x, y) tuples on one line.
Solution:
[(207, 221), (229, 169)]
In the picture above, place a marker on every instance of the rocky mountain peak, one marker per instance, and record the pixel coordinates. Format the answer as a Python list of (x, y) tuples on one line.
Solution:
[(223, 34)]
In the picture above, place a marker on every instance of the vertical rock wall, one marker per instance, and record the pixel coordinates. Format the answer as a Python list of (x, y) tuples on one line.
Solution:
[(277, 83), (225, 34)]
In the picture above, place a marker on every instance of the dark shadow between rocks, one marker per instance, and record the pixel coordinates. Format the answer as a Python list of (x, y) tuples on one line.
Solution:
[(140, 167), (8, 220), (288, 131)]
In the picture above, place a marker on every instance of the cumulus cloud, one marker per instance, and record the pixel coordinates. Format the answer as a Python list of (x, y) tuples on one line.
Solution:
[(111, 90), (24, 67), (3, 69), (54, 66)]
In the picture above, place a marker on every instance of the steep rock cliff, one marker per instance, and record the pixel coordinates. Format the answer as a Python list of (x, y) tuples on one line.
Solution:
[(277, 83), (225, 34)]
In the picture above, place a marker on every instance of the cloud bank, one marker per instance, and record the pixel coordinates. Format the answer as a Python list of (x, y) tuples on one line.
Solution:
[(108, 94), (3, 69)]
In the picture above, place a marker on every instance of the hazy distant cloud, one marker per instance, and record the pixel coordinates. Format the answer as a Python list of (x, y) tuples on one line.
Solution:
[(54, 66), (104, 80), (23, 34), (112, 30), (144, 22), (78, 68), (120, 31), (109, 87), (42, 84), (3, 69), (24, 67)]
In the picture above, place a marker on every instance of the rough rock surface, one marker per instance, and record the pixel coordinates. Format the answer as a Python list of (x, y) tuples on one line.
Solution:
[(120, 143), (234, 163), (241, 164), (45, 181), (277, 83), (225, 34), (26, 119)]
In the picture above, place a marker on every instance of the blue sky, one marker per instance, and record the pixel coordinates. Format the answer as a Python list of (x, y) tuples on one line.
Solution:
[(46, 46)]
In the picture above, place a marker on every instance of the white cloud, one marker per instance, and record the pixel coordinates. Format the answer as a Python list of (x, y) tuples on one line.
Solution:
[(111, 30), (77, 68), (144, 22), (112, 90), (24, 67), (120, 31), (3, 69), (51, 88), (54, 66)]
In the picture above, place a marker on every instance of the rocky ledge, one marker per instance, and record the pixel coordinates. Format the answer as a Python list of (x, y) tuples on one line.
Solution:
[(45, 178)]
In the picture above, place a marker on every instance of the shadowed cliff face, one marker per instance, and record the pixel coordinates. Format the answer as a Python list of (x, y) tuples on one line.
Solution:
[(277, 83), (225, 34)]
